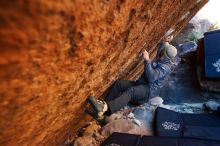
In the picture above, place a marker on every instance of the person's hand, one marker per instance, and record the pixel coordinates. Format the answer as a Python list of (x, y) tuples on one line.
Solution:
[(146, 55)]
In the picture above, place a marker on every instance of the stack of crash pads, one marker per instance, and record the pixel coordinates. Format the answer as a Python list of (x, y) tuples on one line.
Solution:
[(211, 84), (212, 54), (173, 124), (174, 129)]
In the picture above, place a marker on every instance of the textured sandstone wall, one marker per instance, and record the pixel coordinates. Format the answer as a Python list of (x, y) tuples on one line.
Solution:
[(55, 53)]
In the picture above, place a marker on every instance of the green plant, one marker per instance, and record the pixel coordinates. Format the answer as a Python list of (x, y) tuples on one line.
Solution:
[(193, 37)]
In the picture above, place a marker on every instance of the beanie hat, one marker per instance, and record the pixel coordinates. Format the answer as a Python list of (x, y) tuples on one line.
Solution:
[(169, 51)]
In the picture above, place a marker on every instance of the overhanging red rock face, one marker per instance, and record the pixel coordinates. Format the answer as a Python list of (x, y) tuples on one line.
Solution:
[(55, 53)]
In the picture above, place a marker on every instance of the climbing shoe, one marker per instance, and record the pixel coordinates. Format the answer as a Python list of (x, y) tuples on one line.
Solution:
[(99, 106)]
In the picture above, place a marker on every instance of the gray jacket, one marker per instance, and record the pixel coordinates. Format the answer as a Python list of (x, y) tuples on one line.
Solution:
[(154, 75)]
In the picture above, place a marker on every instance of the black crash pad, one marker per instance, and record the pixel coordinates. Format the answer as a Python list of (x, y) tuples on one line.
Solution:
[(174, 124), (122, 139)]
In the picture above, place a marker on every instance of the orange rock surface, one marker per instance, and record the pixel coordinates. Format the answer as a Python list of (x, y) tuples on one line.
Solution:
[(55, 53)]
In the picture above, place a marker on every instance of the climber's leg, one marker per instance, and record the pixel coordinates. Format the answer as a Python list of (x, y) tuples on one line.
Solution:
[(118, 88), (135, 94)]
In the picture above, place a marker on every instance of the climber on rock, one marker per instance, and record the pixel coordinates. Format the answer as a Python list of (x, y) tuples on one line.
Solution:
[(141, 90)]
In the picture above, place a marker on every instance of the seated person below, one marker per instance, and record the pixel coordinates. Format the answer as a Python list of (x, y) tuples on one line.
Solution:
[(141, 90)]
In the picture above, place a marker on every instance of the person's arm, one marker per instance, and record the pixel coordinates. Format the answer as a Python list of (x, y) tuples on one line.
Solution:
[(154, 74), (151, 73)]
